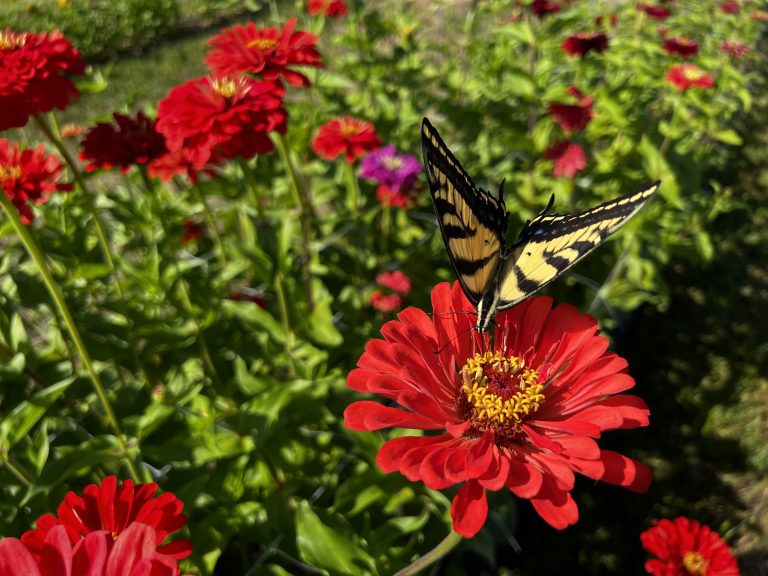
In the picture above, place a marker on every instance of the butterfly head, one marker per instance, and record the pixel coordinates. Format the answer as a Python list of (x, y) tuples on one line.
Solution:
[(486, 310)]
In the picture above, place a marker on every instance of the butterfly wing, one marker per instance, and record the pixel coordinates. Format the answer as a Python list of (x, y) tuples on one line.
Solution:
[(550, 244), (473, 222)]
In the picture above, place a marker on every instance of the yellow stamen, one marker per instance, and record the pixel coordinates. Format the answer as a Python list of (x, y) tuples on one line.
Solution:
[(226, 87), (263, 44), (692, 73), (695, 563), (349, 128), (10, 40), (392, 163), (10, 173)]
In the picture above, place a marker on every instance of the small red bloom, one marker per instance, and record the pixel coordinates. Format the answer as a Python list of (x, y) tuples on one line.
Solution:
[(267, 52), (730, 7), (192, 231), (583, 43), (34, 71), (250, 295), (72, 130), (685, 76), (129, 142), (386, 302), (759, 16), (329, 8), (28, 176), (523, 416), (734, 48), (568, 157), (115, 509), (681, 45), (395, 281), (655, 12), (542, 8), (612, 18), (349, 135), (397, 196), (573, 117), (685, 547)]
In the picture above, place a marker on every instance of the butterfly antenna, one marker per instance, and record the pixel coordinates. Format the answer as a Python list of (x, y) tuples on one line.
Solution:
[(501, 191), (452, 340)]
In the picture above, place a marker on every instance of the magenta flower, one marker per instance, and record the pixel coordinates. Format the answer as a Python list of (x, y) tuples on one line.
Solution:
[(386, 166)]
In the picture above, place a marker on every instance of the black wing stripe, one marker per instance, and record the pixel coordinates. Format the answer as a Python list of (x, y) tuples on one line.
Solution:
[(469, 267), (458, 232)]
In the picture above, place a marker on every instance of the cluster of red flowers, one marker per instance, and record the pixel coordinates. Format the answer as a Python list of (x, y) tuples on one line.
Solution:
[(568, 157), (126, 143), (349, 136), (398, 283), (110, 530), (34, 75)]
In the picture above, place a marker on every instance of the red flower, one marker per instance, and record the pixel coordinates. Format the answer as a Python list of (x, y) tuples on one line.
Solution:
[(386, 302), (583, 43), (685, 76), (28, 176), (681, 45), (268, 52), (523, 416), (349, 135), (33, 75), (734, 48), (395, 281), (656, 12), (208, 120), (330, 8), (397, 196), (573, 117), (543, 7), (730, 7), (192, 231), (114, 509), (569, 158), (685, 547), (129, 143)]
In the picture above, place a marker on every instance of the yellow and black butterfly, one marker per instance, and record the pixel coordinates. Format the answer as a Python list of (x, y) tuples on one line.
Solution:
[(474, 225)]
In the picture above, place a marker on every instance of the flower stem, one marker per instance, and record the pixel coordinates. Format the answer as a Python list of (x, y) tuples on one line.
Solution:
[(53, 288), (432, 556), (353, 189), (285, 319), (220, 254), (253, 187), (18, 470)]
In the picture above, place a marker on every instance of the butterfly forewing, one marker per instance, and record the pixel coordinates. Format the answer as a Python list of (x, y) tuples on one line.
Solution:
[(473, 222), (550, 244)]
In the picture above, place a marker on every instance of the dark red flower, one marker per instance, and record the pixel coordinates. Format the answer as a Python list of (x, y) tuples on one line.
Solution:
[(349, 135), (612, 18), (573, 117), (115, 509), (386, 302), (685, 76), (681, 45), (543, 7), (684, 547), (524, 415), (395, 281), (655, 12), (208, 120), (34, 70), (250, 295), (129, 142), (730, 7), (734, 48), (268, 52), (583, 43), (28, 176), (569, 158), (329, 8), (192, 231)]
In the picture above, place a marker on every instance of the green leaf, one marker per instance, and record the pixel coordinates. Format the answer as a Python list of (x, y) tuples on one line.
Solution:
[(656, 166), (728, 136)]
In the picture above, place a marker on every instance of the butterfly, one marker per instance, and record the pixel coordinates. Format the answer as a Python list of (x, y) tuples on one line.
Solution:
[(474, 225)]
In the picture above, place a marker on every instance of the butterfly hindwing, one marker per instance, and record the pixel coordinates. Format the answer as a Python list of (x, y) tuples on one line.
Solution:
[(473, 223), (550, 244)]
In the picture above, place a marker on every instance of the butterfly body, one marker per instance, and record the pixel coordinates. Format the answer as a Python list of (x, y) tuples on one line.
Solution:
[(474, 224)]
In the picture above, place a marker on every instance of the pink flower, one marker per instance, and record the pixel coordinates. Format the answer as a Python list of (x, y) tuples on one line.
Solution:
[(569, 158)]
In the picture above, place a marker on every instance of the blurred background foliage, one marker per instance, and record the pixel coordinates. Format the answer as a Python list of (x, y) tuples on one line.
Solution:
[(250, 437)]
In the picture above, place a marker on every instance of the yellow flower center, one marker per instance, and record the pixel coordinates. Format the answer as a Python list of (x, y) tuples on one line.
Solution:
[(349, 128), (263, 44), (392, 163), (695, 563), (500, 392), (9, 173), (692, 73), (10, 41), (226, 87)]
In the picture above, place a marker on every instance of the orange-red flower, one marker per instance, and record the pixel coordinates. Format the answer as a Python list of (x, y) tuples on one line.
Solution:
[(583, 43), (569, 158), (114, 509), (682, 46), (734, 48), (126, 143), (573, 117), (730, 7), (684, 547), (347, 135), (395, 281), (523, 415), (34, 71), (267, 52), (759, 16), (386, 302), (29, 176), (685, 76), (329, 8), (656, 12)]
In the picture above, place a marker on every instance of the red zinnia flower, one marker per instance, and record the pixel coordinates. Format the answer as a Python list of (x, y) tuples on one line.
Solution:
[(28, 176), (330, 8), (268, 52), (543, 7), (524, 415), (686, 547), (128, 143), (656, 12), (681, 45), (397, 196), (386, 302), (114, 509), (395, 281), (349, 135), (685, 76), (568, 157), (573, 117), (33, 69), (730, 7), (192, 231), (734, 48), (583, 43), (208, 120)]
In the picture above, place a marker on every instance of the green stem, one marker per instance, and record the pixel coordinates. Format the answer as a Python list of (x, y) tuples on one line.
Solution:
[(285, 319), (432, 556), (18, 470), (37, 256), (253, 187), (220, 254), (386, 225), (353, 189)]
